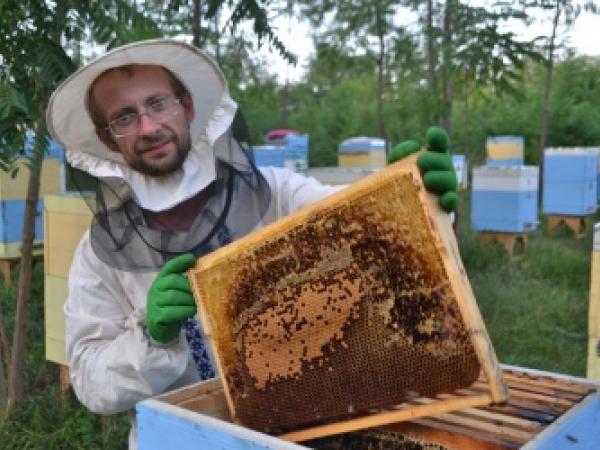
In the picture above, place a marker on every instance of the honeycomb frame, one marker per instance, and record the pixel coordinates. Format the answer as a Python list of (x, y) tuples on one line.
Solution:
[(366, 281)]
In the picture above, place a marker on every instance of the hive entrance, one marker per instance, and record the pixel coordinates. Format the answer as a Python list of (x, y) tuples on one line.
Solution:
[(340, 309)]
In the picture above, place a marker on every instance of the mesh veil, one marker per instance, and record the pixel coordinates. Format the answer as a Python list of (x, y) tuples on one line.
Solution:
[(237, 201)]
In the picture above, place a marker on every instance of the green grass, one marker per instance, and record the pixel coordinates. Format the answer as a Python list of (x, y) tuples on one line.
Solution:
[(534, 306), (45, 420)]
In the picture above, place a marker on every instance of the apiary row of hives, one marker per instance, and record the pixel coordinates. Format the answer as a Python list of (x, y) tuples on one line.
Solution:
[(505, 198), (62, 218), (505, 191)]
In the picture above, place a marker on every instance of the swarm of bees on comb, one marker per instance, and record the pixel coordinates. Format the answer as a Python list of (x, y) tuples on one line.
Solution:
[(341, 310)]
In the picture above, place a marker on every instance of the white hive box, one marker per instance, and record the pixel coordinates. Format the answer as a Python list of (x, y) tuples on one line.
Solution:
[(461, 168), (340, 175), (504, 199)]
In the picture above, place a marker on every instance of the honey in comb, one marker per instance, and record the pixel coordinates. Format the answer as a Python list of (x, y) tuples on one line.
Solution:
[(347, 312)]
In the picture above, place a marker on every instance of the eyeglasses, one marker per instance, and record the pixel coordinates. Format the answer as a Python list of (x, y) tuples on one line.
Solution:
[(128, 123)]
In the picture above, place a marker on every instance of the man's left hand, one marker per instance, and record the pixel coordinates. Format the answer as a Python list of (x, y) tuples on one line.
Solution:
[(435, 165)]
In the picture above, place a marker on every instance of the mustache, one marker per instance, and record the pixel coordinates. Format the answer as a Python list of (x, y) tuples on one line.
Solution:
[(147, 142)]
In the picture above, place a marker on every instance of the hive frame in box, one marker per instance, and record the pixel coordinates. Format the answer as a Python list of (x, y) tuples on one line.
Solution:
[(545, 411), (439, 230)]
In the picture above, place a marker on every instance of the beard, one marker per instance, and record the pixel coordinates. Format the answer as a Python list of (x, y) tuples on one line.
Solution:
[(168, 164)]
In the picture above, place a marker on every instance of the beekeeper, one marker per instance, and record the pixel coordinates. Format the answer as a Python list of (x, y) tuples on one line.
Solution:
[(152, 123)]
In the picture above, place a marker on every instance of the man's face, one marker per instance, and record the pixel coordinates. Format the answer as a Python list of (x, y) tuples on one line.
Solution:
[(156, 146)]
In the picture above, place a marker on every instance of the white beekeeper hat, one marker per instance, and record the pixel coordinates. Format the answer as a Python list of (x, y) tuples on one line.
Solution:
[(70, 124)]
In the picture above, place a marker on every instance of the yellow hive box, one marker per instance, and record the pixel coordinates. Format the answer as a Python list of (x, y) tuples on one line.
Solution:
[(16, 188), (358, 302), (66, 218), (593, 366), (504, 147), (55, 295), (366, 159), (12, 250)]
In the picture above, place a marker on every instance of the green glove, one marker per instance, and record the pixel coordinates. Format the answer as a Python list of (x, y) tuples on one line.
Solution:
[(170, 300), (435, 165)]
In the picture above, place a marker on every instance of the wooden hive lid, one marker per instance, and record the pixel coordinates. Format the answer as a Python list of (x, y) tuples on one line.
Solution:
[(359, 301)]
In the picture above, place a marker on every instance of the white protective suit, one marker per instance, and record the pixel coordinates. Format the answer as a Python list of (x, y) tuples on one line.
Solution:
[(113, 364)]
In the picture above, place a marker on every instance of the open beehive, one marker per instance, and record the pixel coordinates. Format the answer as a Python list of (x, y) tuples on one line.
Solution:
[(545, 411), (356, 303)]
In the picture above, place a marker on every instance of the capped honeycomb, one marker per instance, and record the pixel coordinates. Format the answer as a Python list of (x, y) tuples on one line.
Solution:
[(337, 310)]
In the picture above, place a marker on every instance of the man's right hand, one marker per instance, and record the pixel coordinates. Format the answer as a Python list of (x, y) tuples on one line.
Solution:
[(170, 301)]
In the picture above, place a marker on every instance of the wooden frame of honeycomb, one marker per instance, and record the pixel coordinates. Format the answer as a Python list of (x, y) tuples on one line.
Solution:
[(351, 313)]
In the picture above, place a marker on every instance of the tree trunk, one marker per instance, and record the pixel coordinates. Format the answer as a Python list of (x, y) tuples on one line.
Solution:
[(217, 38), (285, 98), (4, 357), (548, 85), (4, 349), (380, 79), (16, 373), (3, 395), (447, 51), (466, 116), (16, 370), (431, 64), (196, 24)]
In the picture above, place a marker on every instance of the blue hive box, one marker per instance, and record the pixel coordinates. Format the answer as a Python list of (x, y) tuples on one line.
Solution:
[(504, 199), (269, 155), (570, 181), (504, 162), (293, 154), (296, 152), (541, 415), (12, 213), (54, 150)]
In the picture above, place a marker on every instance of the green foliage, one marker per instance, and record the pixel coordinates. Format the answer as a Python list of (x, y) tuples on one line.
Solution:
[(118, 22), (34, 62), (175, 18), (257, 11), (574, 113), (329, 117), (575, 116)]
